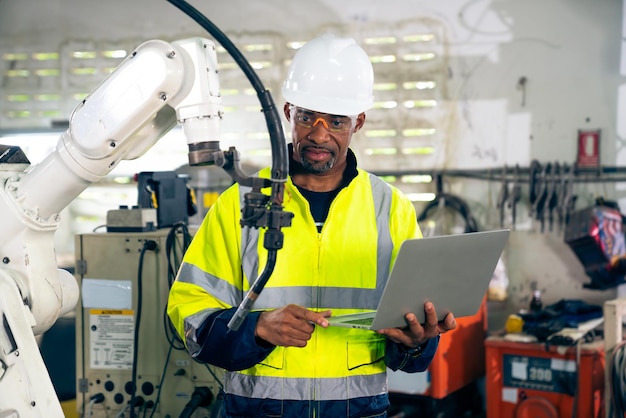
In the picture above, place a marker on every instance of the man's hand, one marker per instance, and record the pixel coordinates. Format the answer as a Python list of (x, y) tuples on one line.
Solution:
[(290, 326), (415, 334)]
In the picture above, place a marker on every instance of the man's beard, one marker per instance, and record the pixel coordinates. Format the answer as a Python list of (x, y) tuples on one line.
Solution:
[(316, 167)]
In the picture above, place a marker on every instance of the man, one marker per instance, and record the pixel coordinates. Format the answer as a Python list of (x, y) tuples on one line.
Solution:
[(285, 360)]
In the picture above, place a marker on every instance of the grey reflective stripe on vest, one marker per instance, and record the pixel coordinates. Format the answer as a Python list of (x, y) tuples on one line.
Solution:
[(319, 389), (327, 297), (192, 324), (219, 288)]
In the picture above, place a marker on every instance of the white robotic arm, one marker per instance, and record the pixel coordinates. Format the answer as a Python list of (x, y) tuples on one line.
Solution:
[(157, 86)]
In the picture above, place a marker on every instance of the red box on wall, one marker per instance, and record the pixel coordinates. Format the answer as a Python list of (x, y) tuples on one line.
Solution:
[(588, 148), (535, 380)]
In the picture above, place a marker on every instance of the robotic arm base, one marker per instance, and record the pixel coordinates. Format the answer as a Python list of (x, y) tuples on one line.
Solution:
[(25, 387)]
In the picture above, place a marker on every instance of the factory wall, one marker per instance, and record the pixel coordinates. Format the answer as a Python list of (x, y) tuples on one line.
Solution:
[(515, 82)]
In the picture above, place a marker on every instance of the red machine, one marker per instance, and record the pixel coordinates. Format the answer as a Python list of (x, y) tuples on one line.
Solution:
[(535, 380)]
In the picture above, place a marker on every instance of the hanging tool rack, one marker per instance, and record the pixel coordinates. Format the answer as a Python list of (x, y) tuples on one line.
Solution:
[(549, 184)]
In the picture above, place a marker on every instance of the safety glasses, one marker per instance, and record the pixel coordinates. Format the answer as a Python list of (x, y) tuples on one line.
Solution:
[(308, 119)]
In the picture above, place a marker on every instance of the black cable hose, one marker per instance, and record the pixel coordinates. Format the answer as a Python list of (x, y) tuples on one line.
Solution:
[(576, 380), (171, 335), (254, 292), (174, 255), (174, 261), (618, 381), (148, 245), (455, 203), (175, 250), (158, 397), (201, 396), (280, 162)]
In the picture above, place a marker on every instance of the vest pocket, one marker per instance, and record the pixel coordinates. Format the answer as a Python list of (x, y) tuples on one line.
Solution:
[(276, 359), (365, 352)]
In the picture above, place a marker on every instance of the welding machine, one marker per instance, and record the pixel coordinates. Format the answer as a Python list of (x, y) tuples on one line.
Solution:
[(167, 192)]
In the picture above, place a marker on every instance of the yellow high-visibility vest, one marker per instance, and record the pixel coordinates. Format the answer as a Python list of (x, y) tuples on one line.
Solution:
[(344, 268)]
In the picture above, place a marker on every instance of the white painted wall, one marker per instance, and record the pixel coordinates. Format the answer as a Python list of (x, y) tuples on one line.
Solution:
[(568, 51)]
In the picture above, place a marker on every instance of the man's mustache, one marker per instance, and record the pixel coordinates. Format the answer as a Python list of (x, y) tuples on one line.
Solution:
[(318, 148)]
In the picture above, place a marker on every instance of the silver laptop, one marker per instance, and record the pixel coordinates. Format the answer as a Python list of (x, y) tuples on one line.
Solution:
[(451, 271)]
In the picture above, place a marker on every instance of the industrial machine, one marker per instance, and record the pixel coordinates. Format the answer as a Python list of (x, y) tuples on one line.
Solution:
[(527, 380), (157, 86), (125, 279)]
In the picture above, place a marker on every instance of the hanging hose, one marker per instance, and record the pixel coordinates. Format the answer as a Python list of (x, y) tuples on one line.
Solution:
[(449, 201), (201, 397), (270, 210)]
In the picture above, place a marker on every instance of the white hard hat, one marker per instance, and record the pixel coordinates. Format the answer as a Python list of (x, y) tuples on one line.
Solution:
[(331, 75)]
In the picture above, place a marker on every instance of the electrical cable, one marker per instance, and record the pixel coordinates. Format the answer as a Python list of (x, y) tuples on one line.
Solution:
[(95, 399), (576, 343), (148, 245), (618, 381), (148, 405), (175, 249), (171, 335), (121, 413), (173, 263), (217, 379), (201, 396), (452, 202), (577, 379), (171, 247), (158, 397), (131, 405), (280, 160)]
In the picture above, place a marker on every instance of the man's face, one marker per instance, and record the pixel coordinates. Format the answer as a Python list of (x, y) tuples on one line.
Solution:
[(321, 141)]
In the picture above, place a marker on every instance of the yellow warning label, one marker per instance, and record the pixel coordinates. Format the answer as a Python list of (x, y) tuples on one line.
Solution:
[(111, 338), (111, 312)]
